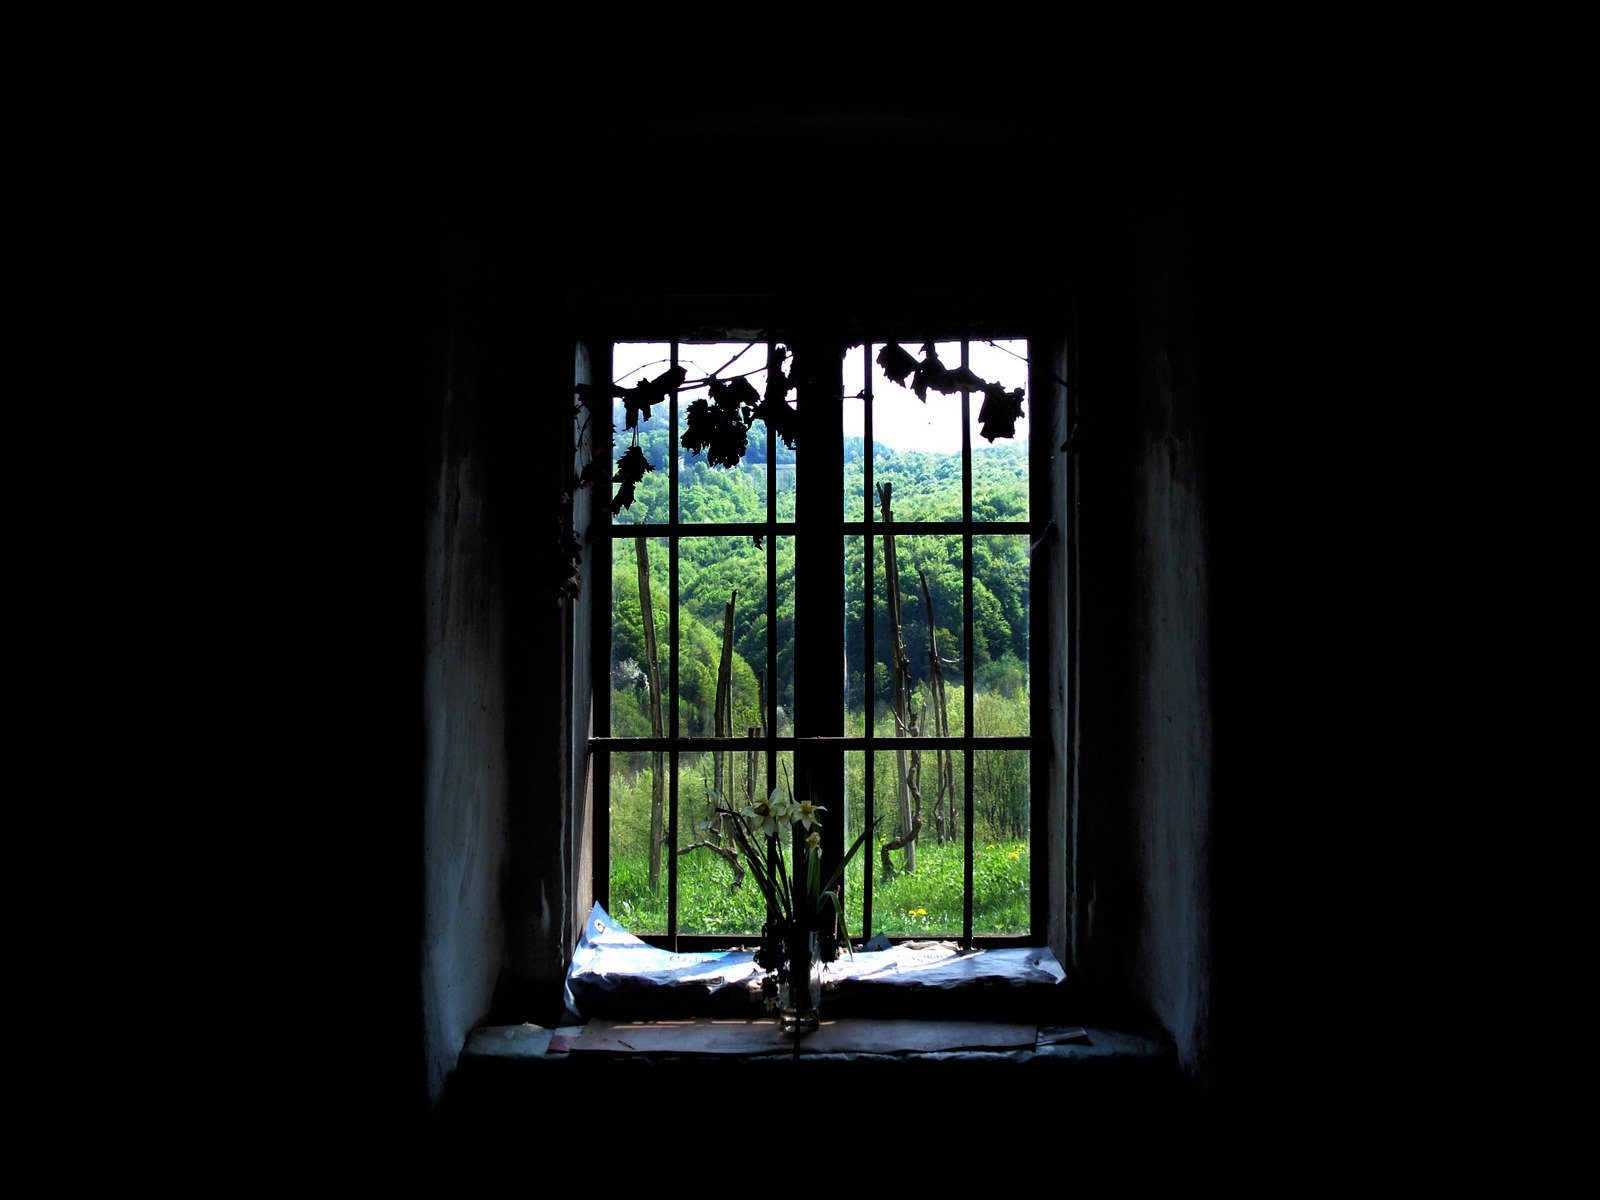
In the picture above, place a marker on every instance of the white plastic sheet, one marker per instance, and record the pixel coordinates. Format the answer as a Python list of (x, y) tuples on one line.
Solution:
[(615, 974)]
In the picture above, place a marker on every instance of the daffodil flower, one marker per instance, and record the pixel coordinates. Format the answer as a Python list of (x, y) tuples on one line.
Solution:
[(760, 815), (814, 842), (781, 808), (806, 812)]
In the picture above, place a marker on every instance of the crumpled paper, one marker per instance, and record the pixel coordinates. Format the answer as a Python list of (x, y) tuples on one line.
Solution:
[(615, 974)]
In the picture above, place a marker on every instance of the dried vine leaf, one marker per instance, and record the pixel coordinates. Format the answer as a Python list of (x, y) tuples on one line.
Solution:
[(591, 393), (930, 372), (568, 555), (780, 416), (738, 394), (896, 363), (596, 471), (998, 416), (647, 392), (719, 429), (630, 470), (964, 379)]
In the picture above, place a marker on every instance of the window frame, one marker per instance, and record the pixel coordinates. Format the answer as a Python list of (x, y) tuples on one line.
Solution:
[(1047, 653)]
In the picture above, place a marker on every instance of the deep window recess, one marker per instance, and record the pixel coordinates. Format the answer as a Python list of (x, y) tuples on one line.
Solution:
[(742, 603)]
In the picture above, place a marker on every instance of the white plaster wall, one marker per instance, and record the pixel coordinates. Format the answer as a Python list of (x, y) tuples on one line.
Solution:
[(466, 781), (1172, 691)]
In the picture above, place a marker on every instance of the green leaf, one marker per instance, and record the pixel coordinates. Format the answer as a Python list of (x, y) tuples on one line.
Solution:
[(850, 853)]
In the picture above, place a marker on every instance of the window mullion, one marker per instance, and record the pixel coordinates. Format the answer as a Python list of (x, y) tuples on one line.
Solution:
[(770, 699), (966, 654), (600, 601), (868, 603), (672, 659), (819, 572)]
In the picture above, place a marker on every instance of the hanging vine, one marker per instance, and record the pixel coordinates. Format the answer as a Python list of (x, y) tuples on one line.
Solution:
[(718, 424)]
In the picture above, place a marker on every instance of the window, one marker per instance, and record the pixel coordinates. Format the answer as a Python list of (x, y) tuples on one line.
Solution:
[(731, 650)]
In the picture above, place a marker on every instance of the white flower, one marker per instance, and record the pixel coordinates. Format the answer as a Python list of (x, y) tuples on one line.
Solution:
[(780, 807), (760, 815), (814, 841), (806, 812)]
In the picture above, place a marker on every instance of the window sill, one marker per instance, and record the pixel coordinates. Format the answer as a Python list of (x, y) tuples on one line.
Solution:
[(512, 1073), (926, 1022)]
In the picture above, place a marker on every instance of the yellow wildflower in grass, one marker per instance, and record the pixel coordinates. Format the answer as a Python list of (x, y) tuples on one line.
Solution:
[(1013, 856)]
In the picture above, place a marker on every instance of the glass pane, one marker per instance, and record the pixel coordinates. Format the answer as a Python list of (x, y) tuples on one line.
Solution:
[(633, 362), (858, 675), (916, 443), (866, 859), (638, 694), (1000, 635), (922, 897), (639, 787), (717, 575), (785, 460), (999, 467), (708, 489), (785, 665), (929, 699), (717, 892), (855, 446), (1000, 872)]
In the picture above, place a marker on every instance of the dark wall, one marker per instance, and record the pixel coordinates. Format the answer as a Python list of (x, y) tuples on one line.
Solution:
[(1156, 256)]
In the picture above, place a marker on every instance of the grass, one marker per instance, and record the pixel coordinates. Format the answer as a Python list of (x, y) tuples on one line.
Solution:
[(924, 904)]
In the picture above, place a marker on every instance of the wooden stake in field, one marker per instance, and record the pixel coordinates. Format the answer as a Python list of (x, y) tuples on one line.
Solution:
[(908, 787), (658, 780)]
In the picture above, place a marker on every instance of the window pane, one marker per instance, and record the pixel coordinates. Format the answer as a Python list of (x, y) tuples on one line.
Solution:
[(639, 786), (1000, 635), (785, 665), (855, 820), (714, 573), (707, 491), (858, 675), (784, 457), (917, 445), (638, 699), (999, 467), (1000, 872), (728, 674), (855, 450), (632, 362), (717, 893), (929, 702), (923, 897)]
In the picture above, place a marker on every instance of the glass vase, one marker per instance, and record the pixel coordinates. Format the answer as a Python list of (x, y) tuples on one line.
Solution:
[(800, 995)]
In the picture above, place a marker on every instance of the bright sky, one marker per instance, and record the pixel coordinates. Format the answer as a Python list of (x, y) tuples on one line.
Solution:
[(899, 419)]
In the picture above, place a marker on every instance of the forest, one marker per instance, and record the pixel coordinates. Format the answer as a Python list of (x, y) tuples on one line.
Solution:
[(722, 654)]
